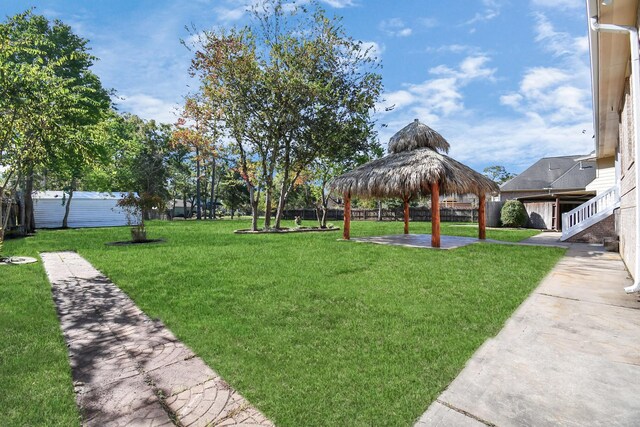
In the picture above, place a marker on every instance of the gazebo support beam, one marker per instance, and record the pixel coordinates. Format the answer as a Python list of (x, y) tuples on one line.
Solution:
[(405, 199), (435, 215), (347, 216), (482, 217)]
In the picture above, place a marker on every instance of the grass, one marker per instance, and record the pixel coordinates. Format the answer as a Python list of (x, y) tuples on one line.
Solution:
[(35, 377), (312, 331)]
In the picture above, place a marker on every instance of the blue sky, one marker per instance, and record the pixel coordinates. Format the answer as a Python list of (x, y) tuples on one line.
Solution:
[(504, 81)]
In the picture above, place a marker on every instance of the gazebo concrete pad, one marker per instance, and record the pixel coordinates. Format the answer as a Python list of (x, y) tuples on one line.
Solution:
[(418, 241)]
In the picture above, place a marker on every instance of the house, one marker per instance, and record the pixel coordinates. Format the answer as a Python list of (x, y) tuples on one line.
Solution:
[(87, 209), (615, 72), (459, 201), (551, 187), (176, 208)]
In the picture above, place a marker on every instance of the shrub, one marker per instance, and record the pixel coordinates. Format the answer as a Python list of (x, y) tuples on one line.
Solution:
[(513, 214)]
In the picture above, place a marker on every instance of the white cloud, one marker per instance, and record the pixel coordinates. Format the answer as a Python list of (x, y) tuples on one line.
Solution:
[(560, 94), (428, 22), (558, 43), (559, 4), (395, 27), (438, 97), (339, 4), (540, 78), (547, 114), (512, 100), (472, 67), (229, 15), (453, 48), (149, 107), (491, 11), (372, 49)]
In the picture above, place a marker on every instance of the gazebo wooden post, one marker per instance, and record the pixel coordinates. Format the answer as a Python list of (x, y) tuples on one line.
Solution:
[(435, 215), (347, 216), (482, 217), (406, 214)]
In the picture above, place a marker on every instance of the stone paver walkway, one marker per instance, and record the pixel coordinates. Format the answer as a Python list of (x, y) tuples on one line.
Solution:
[(570, 354), (128, 369)]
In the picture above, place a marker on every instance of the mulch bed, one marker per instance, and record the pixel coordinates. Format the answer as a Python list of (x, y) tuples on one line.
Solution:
[(131, 242), (287, 230)]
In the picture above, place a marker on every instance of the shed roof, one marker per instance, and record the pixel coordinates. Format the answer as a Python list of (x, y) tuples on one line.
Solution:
[(95, 195), (557, 173)]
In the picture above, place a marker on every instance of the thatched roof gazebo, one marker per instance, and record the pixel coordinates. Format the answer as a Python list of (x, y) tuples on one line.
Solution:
[(415, 167)]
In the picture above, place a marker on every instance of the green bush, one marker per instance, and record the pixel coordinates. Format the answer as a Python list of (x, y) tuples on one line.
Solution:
[(513, 214)]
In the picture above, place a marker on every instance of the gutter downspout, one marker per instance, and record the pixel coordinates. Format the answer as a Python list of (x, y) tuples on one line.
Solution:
[(635, 87)]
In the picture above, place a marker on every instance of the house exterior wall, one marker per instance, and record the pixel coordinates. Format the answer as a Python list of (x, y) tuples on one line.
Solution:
[(626, 217), (605, 175)]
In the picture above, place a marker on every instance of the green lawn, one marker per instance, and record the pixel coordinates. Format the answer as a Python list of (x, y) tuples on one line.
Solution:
[(311, 330)]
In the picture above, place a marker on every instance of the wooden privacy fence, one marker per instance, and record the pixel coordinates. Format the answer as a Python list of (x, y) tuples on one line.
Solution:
[(415, 214), (14, 215)]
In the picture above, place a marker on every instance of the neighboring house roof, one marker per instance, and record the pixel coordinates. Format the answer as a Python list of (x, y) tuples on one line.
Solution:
[(556, 173)]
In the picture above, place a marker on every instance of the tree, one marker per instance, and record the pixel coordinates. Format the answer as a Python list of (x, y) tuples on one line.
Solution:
[(49, 101), (498, 174), (289, 89), (198, 129), (233, 192)]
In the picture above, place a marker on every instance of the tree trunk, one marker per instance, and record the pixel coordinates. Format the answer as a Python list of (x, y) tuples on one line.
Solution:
[(212, 212), (29, 219), (173, 207), (198, 207), (204, 189), (281, 202), (184, 206), (23, 216), (379, 210), (253, 200), (346, 232), (67, 207), (267, 207)]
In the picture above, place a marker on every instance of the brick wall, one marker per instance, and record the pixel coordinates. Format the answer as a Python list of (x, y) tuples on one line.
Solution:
[(597, 232), (627, 217)]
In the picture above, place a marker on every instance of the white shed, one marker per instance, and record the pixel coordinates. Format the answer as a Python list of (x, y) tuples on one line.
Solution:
[(88, 209)]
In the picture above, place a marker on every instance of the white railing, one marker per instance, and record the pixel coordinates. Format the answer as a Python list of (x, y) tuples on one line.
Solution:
[(590, 212)]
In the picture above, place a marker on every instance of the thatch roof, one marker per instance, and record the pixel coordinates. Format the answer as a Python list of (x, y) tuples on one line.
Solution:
[(417, 135), (410, 173)]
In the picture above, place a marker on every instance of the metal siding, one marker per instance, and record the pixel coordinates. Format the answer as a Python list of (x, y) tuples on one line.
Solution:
[(95, 213), (48, 213), (84, 212)]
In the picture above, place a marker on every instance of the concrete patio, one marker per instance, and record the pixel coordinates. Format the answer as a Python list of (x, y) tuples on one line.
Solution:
[(570, 354)]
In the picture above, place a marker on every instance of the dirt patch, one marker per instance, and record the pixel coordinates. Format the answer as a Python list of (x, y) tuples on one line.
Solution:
[(287, 230), (131, 242)]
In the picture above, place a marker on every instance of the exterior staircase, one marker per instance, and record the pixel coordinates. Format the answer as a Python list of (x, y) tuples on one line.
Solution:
[(590, 212)]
